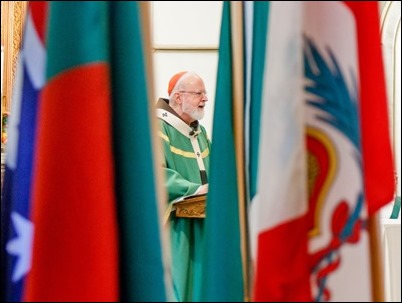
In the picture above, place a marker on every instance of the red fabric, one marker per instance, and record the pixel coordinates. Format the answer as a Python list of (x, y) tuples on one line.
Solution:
[(275, 283), (378, 161), (75, 237), (39, 15)]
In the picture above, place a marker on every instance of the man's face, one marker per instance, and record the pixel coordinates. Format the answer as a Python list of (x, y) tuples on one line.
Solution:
[(194, 103)]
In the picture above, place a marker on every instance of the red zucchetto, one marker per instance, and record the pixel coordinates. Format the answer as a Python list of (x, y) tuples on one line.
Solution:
[(173, 81)]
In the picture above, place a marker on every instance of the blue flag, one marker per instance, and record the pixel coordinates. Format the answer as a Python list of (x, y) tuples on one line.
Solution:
[(16, 227)]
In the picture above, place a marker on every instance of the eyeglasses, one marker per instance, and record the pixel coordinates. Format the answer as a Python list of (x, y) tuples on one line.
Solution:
[(198, 94)]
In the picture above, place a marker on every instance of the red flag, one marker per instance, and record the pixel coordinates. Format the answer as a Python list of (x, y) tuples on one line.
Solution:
[(377, 155)]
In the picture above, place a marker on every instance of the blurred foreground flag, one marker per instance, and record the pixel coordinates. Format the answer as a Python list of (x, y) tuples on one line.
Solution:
[(278, 210), (379, 177), (323, 88), (142, 271), (16, 225), (75, 246), (223, 277), (83, 151)]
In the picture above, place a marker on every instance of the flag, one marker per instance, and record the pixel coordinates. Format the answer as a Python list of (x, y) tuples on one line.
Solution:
[(339, 239), (256, 18), (91, 176), (223, 273), (142, 264), (278, 211), (74, 213), (309, 222), (379, 169), (16, 203), (347, 190)]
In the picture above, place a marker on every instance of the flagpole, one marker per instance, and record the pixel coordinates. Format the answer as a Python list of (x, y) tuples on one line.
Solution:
[(377, 272), (238, 107), (145, 9)]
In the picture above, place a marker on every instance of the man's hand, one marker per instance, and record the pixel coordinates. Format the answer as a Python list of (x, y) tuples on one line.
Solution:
[(203, 189)]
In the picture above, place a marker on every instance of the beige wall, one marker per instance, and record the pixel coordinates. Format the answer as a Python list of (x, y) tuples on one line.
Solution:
[(186, 37)]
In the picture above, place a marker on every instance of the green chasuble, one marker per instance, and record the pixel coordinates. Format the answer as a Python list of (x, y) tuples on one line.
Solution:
[(186, 166)]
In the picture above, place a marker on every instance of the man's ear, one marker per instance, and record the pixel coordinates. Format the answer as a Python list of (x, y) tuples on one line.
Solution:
[(178, 98)]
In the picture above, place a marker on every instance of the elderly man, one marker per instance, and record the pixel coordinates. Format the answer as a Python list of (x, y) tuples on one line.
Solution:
[(186, 164)]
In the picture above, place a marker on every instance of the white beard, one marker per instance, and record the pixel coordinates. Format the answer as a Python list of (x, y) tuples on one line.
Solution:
[(195, 113)]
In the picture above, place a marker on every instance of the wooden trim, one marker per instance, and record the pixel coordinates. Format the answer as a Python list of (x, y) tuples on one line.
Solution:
[(191, 207), (13, 19)]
